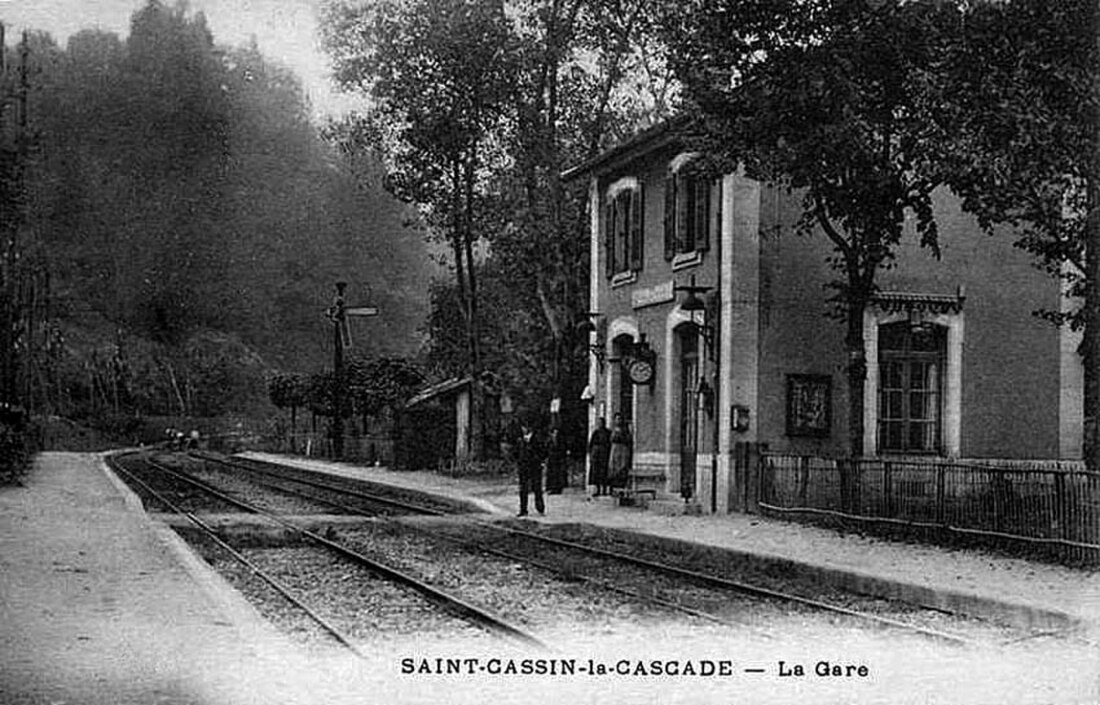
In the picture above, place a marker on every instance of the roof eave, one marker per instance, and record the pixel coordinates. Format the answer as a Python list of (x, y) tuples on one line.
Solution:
[(658, 136)]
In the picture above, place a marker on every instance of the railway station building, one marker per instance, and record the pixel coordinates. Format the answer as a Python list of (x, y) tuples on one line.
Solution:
[(711, 334)]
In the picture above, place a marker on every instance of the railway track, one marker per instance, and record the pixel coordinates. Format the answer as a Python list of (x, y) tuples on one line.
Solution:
[(212, 535), (492, 545), (446, 601), (485, 548)]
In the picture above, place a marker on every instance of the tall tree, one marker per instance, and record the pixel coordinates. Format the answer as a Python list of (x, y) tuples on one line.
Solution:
[(569, 77), (439, 73), (1022, 98), (19, 265), (577, 63), (830, 98)]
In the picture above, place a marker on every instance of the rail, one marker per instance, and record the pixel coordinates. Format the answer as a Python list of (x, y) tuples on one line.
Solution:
[(213, 535), (457, 605), (682, 573)]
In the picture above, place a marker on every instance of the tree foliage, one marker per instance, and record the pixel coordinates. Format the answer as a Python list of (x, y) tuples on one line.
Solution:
[(1023, 115), (373, 386), (835, 100), (380, 383), (479, 106), (1024, 109), (195, 220), (435, 118), (288, 390)]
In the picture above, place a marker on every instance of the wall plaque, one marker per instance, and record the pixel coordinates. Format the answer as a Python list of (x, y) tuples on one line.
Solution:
[(653, 295)]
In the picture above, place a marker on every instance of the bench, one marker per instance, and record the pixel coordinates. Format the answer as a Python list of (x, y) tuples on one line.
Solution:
[(634, 492), (630, 494)]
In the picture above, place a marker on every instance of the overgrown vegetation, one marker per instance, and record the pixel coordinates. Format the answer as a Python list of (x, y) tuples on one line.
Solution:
[(478, 106), (867, 107), (20, 438), (173, 223)]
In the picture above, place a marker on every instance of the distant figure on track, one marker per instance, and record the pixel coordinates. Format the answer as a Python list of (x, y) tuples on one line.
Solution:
[(599, 450), (530, 456)]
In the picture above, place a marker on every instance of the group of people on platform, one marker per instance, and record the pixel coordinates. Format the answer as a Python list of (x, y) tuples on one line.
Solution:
[(610, 452)]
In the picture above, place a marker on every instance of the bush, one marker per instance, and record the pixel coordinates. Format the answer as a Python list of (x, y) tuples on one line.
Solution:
[(18, 443), (66, 435)]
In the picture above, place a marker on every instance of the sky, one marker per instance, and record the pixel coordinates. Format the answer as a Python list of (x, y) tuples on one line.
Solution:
[(285, 30)]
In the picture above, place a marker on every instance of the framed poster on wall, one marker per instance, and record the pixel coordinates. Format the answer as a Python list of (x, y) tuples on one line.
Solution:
[(809, 405)]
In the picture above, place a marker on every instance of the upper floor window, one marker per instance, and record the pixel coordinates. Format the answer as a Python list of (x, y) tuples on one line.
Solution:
[(911, 372), (623, 227), (692, 209)]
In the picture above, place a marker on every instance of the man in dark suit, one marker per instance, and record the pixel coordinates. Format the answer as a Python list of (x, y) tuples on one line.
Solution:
[(530, 456)]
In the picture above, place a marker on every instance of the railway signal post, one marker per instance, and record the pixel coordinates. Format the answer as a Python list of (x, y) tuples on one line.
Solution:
[(338, 313)]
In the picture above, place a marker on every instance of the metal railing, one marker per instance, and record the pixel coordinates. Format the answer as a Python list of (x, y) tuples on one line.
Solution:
[(1038, 504)]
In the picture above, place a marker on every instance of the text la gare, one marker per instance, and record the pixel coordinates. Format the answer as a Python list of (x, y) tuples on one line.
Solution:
[(826, 669)]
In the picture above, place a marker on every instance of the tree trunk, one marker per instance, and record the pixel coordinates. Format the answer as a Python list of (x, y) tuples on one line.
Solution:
[(293, 428), (1090, 348), (857, 375), (1090, 351), (477, 392)]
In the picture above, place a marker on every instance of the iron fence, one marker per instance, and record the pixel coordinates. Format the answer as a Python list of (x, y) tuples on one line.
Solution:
[(1039, 505)]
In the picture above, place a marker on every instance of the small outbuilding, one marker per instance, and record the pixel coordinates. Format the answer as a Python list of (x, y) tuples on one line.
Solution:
[(440, 414)]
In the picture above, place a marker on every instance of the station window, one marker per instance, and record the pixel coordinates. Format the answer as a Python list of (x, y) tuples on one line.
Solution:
[(911, 367), (692, 211), (623, 233)]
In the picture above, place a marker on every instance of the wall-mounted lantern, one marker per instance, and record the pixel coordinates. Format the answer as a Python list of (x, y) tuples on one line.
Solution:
[(739, 418), (594, 321), (696, 307)]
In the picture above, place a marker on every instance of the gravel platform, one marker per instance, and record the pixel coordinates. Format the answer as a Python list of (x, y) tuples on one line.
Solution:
[(99, 605)]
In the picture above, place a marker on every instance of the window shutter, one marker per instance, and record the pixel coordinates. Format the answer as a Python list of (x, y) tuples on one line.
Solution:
[(609, 235), (670, 216), (714, 314), (702, 213), (622, 231), (716, 209), (637, 229), (683, 215)]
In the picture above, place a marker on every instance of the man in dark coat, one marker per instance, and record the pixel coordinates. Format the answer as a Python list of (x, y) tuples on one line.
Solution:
[(599, 450), (530, 455)]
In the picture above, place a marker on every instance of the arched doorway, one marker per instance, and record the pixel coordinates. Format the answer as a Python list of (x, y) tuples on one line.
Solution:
[(622, 395), (689, 370)]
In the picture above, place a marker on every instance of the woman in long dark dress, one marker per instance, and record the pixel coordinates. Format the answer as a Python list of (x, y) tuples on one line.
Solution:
[(599, 450), (622, 449), (556, 476)]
